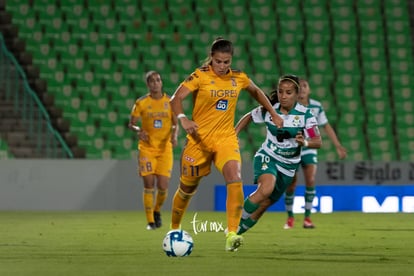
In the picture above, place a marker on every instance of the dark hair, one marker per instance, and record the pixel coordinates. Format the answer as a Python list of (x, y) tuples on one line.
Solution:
[(291, 78), (219, 45), (273, 97)]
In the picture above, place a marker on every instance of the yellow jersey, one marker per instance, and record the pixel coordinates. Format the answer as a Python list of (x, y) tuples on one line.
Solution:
[(214, 101), (156, 120)]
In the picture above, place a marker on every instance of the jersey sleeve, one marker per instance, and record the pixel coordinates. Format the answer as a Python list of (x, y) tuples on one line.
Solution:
[(257, 115), (135, 111), (322, 119), (192, 82), (310, 120)]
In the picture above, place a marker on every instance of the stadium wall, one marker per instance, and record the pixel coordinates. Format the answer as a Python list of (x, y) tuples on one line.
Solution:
[(114, 185)]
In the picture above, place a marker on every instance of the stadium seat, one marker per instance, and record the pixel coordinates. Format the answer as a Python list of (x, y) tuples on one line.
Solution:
[(110, 46), (353, 139)]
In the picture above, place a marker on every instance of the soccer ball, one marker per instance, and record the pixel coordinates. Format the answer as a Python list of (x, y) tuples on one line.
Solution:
[(177, 243)]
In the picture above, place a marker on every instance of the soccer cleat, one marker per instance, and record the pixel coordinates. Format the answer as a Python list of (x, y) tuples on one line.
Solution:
[(226, 231), (157, 219), (289, 223), (233, 241), (151, 226), (307, 223)]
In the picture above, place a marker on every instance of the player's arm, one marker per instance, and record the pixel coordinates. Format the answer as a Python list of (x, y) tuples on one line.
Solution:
[(310, 138), (243, 122), (174, 130), (133, 124), (177, 107), (334, 138), (260, 96), (142, 135)]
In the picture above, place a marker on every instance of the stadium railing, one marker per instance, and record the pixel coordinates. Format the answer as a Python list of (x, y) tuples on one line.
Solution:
[(47, 141)]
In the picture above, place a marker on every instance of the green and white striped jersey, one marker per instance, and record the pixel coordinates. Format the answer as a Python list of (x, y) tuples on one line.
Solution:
[(318, 111), (280, 143), (320, 115)]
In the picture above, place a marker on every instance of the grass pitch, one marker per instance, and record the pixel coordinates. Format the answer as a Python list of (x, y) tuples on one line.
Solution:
[(116, 243)]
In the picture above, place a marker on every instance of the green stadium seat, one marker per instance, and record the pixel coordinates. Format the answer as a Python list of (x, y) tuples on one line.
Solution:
[(341, 9), (381, 151), (212, 25), (293, 60), (261, 9), (401, 60), (78, 124), (343, 25), (317, 25), (288, 7), (406, 137), (319, 65), (353, 139), (127, 12), (94, 153), (344, 66), (75, 114), (374, 66), (108, 47)]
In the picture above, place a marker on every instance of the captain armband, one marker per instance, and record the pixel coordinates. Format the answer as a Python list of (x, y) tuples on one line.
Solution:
[(312, 132)]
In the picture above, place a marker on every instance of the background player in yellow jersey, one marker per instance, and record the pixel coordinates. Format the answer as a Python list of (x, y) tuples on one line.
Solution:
[(211, 137), (157, 135)]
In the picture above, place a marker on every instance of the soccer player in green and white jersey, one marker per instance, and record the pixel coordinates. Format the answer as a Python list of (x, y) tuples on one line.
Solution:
[(277, 160), (309, 159)]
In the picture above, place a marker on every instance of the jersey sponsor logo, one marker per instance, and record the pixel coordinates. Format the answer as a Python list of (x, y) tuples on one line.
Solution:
[(222, 105), (157, 124)]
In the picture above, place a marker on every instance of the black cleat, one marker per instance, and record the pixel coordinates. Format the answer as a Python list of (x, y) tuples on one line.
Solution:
[(151, 226), (157, 219)]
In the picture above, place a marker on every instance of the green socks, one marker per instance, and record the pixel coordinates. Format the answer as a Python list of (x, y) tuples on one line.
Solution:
[(309, 196), (289, 198), (246, 222)]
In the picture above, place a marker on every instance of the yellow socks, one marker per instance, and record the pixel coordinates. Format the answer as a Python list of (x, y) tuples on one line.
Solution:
[(234, 205), (148, 200), (160, 199), (180, 203)]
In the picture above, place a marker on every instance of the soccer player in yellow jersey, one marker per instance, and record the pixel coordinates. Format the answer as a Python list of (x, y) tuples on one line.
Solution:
[(211, 137), (157, 136)]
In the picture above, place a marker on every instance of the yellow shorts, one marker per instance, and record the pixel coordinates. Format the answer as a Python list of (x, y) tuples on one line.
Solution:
[(196, 157), (150, 162)]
